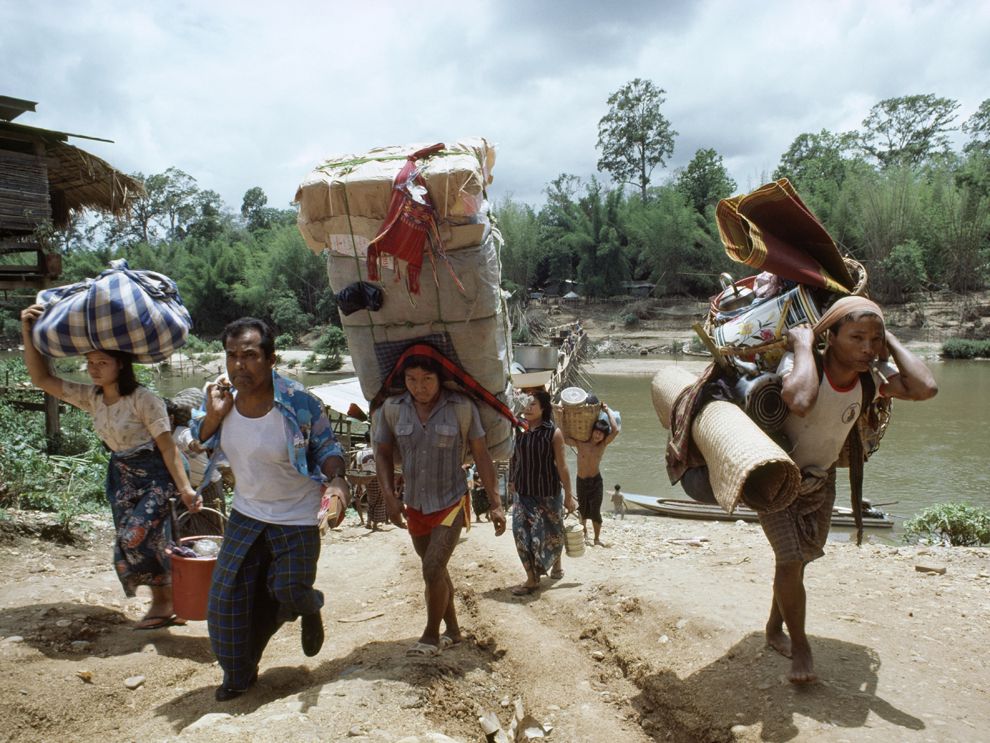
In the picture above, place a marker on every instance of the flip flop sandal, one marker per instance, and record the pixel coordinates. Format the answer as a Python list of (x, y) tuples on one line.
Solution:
[(423, 650), (524, 590), (446, 641), (158, 622), (556, 574)]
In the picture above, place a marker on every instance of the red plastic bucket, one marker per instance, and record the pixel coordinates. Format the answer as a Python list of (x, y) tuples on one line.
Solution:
[(191, 578)]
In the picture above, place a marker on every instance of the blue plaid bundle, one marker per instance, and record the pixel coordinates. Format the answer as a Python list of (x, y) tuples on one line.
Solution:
[(138, 312)]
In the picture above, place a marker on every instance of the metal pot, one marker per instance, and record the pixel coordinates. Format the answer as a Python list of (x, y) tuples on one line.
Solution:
[(732, 297), (535, 357)]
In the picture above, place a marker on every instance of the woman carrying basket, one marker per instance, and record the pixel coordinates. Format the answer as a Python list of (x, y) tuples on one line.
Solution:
[(145, 468), (536, 472)]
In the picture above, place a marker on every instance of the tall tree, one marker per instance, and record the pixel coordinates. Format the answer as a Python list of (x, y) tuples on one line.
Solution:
[(908, 130), (634, 136), (818, 165), (977, 127), (667, 237), (259, 216), (521, 252), (705, 180)]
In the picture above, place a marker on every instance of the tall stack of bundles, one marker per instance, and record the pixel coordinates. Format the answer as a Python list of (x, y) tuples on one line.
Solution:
[(457, 303)]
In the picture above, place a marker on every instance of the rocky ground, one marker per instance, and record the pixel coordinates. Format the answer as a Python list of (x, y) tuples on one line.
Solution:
[(656, 637)]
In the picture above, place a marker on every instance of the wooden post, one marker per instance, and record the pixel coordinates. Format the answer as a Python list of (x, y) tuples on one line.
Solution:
[(53, 426)]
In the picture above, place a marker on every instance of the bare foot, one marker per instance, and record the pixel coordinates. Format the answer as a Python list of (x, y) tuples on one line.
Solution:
[(779, 641), (802, 667)]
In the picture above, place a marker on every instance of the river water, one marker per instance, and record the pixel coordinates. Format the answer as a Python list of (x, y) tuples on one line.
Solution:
[(933, 451)]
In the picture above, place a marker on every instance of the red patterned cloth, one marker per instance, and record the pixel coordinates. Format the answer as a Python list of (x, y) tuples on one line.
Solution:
[(410, 222), (470, 385)]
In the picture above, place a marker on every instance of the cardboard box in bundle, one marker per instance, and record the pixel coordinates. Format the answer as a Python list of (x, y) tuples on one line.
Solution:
[(359, 187), (347, 235), (477, 268), (342, 204)]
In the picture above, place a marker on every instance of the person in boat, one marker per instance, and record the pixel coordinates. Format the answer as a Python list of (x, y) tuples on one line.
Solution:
[(283, 452), (431, 427), (823, 410), (145, 468), (537, 471), (590, 490)]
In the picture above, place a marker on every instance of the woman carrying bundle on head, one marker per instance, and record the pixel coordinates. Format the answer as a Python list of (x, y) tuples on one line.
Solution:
[(145, 470)]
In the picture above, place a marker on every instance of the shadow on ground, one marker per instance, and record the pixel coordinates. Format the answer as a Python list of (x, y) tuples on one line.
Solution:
[(709, 702)]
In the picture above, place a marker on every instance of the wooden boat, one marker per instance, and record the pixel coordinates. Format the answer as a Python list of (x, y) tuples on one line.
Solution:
[(689, 509)]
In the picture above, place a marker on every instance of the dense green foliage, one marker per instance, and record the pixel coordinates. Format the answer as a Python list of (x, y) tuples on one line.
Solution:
[(956, 524), (965, 348), (893, 195), (68, 484)]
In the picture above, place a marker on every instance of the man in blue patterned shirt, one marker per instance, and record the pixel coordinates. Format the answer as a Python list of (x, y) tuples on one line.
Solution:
[(283, 452)]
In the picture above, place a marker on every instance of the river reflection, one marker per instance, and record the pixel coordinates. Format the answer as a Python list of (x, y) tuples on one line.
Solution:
[(933, 451)]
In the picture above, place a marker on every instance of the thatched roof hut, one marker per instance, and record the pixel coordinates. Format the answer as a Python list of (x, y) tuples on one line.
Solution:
[(43, 179), (76, 179)]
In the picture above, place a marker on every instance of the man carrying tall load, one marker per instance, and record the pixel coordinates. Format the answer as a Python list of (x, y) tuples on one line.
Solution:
[(824, 407)]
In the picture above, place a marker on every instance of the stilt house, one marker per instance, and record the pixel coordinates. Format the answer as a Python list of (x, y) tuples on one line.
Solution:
[(43, 181)]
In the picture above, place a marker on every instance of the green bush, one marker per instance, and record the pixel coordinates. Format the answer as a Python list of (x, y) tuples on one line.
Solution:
[(964, 348), (328, 351), (956, 524), (68, 484), (288, 315), (284, 341), (196, 345), (630, 321), (903, 270)]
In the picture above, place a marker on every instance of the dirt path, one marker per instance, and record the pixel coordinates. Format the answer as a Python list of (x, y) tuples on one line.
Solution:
[(650, 639)]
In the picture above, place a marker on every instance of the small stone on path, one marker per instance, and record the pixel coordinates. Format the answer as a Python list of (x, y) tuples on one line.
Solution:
[(930, 568), (133, 682)]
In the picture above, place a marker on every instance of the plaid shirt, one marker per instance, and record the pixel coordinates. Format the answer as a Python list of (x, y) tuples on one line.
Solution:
[(432, 452), (307, 429)]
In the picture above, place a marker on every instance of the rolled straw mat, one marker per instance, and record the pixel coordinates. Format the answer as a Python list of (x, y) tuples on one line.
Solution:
[(743, 462)]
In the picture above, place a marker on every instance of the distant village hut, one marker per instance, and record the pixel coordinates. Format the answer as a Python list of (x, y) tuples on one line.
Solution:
[(43, 181)]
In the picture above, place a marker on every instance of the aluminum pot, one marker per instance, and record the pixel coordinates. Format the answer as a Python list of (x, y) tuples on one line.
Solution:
[(535, 357)]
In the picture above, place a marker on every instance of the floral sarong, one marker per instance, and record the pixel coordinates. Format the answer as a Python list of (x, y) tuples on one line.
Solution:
[(138, 488)]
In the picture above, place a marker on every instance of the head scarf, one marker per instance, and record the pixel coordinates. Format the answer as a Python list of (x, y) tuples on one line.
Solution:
[(847, 306)]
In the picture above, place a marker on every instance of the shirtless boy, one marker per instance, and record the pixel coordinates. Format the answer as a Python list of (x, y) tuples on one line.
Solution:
[(589, 479)]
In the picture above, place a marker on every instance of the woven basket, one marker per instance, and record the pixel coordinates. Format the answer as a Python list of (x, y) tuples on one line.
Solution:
[(858, 271), (576, 421), (744, 464)]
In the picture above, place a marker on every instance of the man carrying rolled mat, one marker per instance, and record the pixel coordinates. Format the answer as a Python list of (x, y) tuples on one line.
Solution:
[(825, 396), (824, 406), (282, 450)]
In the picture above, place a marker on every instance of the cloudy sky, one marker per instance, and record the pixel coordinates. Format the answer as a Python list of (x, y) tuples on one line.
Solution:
[(248, 93)]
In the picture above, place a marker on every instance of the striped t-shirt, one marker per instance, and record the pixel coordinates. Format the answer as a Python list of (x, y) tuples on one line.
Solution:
[(533, 470)]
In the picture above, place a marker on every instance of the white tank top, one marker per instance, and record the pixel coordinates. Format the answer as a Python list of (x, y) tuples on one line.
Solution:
[(268, 487)]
